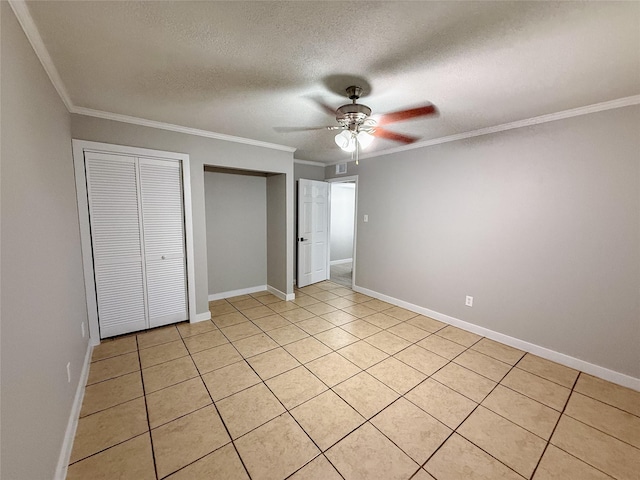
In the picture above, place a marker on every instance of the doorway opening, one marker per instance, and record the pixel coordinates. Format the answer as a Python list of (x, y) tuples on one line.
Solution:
[(342, 236)]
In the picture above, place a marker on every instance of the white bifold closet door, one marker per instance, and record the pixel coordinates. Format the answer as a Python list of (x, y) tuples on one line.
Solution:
[(137, 232), (163, 224)]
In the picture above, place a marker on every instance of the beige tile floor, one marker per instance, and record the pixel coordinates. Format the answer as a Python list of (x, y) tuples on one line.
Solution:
[(338, 385)]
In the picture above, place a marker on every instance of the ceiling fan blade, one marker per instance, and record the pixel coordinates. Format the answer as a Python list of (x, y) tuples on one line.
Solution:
[(326, 108), (305, 129), (396, 137), (401, 115)]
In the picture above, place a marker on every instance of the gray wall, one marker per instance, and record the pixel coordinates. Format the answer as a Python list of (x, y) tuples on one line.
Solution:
[(343, 199), (277, 234), (236, 210), (43, 302), (202, 151), (309, 172), (540, 224)]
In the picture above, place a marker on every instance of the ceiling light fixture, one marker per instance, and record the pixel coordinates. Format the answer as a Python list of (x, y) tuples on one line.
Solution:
[(358, 129), (353, 140)]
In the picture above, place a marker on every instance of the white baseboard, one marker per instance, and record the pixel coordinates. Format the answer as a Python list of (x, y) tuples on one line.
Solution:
[(235, 293), (281, 295), (339, 262), (201, 317), (72, 424), (572, 362)]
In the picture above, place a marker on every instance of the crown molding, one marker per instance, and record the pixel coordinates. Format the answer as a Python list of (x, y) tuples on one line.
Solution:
[(309, 162), (551, 117), (25, 19), (177, 128)]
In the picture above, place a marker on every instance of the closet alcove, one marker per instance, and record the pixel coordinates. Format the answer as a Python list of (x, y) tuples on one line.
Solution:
[(246, 231)]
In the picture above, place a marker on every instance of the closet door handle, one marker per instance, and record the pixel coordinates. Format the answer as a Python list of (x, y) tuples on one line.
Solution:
[(163, 257)]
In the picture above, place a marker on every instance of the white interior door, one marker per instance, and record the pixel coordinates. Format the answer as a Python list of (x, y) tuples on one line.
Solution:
[(112, 188), (164, 241), (313, 232)]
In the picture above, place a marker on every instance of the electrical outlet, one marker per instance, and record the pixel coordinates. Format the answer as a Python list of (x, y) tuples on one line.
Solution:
[(366, 218), (82, 327), (69, 372), (469, 301)]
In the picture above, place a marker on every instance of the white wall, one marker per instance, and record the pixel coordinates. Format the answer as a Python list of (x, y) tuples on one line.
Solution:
[(43, 302), (202, 151), (343, 200), (236, 211), (540, 224)]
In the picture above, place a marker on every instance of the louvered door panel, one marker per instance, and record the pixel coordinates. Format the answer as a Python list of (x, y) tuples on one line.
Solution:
[(166, 291), (116, 242), (164, 246)]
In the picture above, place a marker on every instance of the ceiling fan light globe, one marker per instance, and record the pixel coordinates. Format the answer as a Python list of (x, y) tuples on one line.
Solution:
[(342, 140), (365, 139), (345, 141), (352, 145)]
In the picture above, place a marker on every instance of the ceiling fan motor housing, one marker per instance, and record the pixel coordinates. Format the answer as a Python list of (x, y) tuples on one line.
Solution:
[(352, 113)]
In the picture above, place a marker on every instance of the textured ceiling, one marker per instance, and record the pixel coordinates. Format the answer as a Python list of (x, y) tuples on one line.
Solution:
[(243, 68)]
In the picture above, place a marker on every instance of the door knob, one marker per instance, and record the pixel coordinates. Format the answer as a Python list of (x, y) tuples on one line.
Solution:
[(303, 239), (163, 257)]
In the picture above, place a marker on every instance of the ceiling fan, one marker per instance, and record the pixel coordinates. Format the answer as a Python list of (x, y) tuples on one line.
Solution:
[(357, 127)]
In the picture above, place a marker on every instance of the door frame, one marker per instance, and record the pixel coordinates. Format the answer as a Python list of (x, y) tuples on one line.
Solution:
[(79, 147), (349, 179)]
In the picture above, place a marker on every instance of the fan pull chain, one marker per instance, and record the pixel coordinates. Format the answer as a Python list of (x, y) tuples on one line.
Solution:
[(356, 152)]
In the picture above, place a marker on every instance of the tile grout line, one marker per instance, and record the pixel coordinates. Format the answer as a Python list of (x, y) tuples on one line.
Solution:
[(544, 378), (582, 461), (602, 401), (107, 448), (390, 439), (287, 411), (368, 420), (203, 456), (114, 405), (312, 460), (221, 420), (573, 390), (146, 409), (455, 430), (244, 359), (602, 431), (555, 426)]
